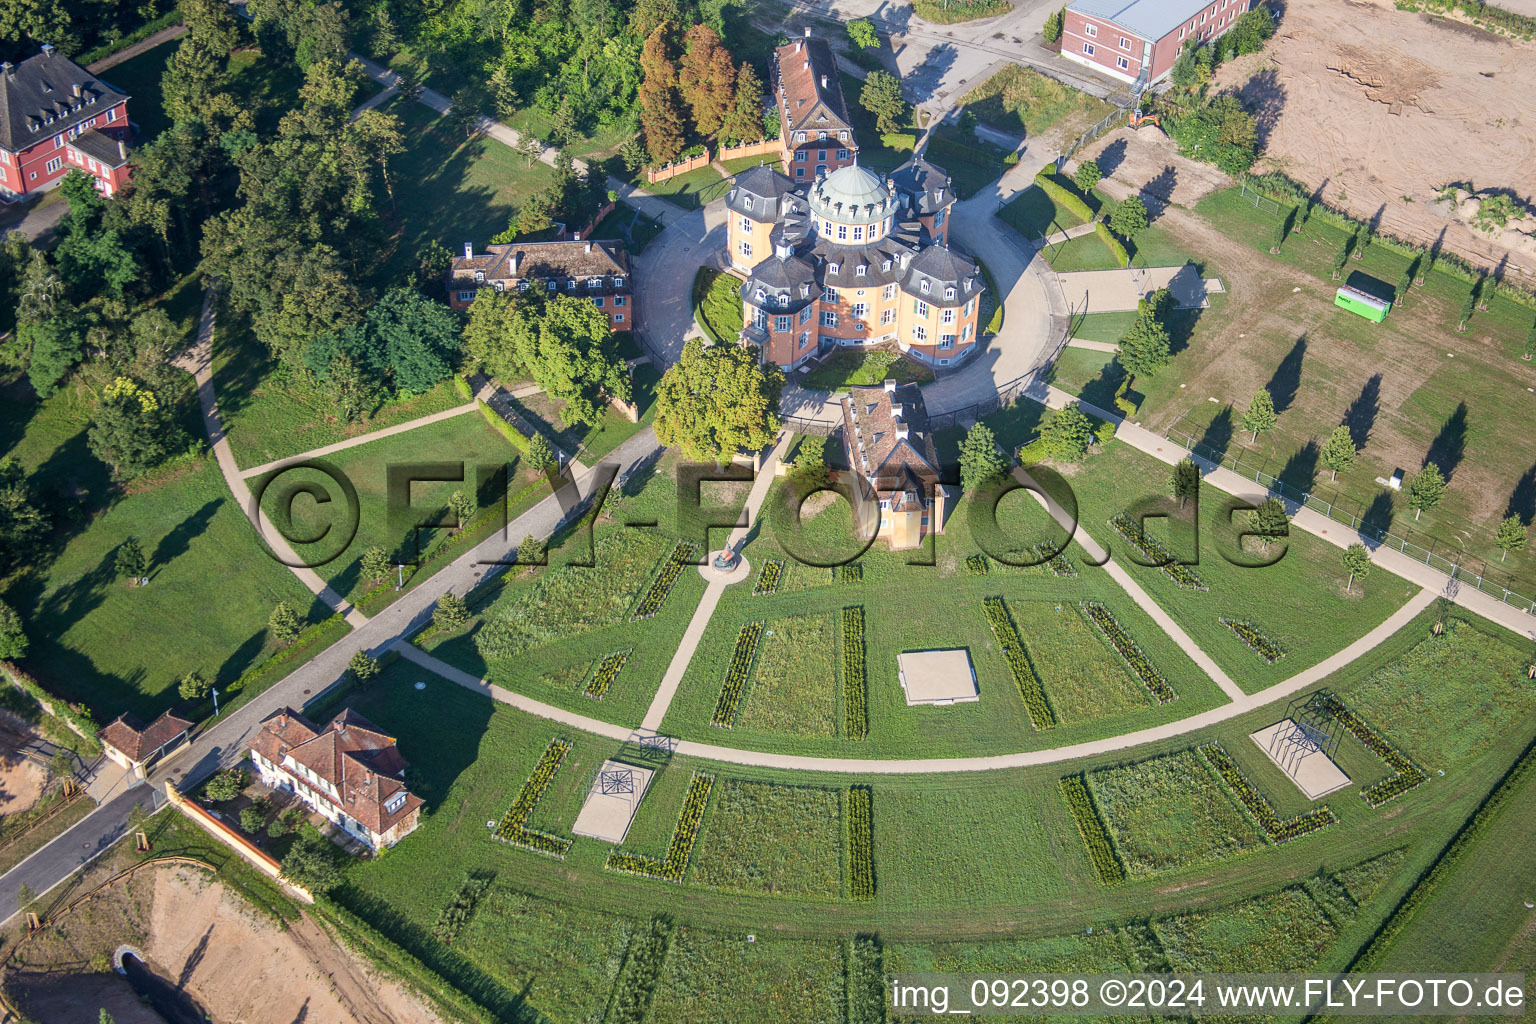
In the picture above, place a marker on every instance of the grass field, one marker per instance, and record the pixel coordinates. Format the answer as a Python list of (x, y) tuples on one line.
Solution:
[(794, 683), (1086, 252), (1034, 214), (1170, 814), (864, 367), (1020, 100), (465, 440), (627, 223), (591, 442), (1284, 931), (712, 978), (770, 839), (690, 190), (717, 304), (1083, 679)]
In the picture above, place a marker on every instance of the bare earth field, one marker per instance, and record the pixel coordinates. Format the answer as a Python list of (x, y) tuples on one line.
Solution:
[(1374, 104), (1147, 159)]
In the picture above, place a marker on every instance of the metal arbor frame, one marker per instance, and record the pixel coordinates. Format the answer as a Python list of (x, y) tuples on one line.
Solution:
[(616, 782), (1312, 731)]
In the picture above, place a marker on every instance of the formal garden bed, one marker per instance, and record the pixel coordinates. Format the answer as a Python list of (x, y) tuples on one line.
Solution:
[(674, 865), (513, 827), (771, 839), (793, 683)]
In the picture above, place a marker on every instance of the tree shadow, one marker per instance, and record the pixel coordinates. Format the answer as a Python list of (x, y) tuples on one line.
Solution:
[(1181, 327), (1264, 96), (1111, 157), (1378, 516), (1217, 438), (1286, 381), (1360, 417), (1450, 445), (1100, 391), (1161, 188), (1300, 470), (241, 659), (175, 543), (1522, 500)]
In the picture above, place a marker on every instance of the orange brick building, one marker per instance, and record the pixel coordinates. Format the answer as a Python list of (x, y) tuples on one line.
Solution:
[(852, 260), (598, 271), (815, 133)]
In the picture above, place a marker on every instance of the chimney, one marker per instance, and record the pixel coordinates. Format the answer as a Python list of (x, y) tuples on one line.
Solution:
[(75, 88), (902, 432), (8, 69), (47, 49), (517, 258), (588, 245), (823, 81), (889, 385), (807, 65), (799, 45), (896, 409), (807, 31), (122, 150), (469, 250)]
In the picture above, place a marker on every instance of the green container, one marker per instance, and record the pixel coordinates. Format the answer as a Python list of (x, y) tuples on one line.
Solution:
[(1361, 304)]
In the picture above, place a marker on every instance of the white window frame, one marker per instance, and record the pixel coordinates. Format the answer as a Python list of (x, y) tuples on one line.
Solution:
[(1123, 63), (1088, 49), (1090, 29)]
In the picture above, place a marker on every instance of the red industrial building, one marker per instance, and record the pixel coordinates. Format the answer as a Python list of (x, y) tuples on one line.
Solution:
[(1137, 41), (56, 116)]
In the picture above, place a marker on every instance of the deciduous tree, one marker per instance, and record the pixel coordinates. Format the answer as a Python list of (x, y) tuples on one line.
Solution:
[(882, 97), (1511, 536), (1067, 434), (131, 563), (706, 79), (714, 401), (1426, 489), (1339, 451), (1357, 562), (1186, 480), (862, 34), (1087, 175)]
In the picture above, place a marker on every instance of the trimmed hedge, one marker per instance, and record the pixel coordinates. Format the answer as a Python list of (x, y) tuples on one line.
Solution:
[(851, 572), (1017, 656), (1110, 629), (1106, 864), (1063, 196), (855, 682), (672, 867), (977, 565), (462, 387), (506, 429), (861, 843), (742, 656), (1275, 828), (314, 639), (1116, 247), (514, 825), (606, 672), (138, 35), (1123, 402)]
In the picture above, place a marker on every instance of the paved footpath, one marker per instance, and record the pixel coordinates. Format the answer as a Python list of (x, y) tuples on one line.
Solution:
[(353, 442)]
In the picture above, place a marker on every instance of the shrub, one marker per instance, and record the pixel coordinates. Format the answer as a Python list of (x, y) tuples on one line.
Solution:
[(742, 656), (1109, 627), (1091, 827), (226, 785), (313, 862), (288, 821), (683, 554), (513, 827), (1031, 689), (861, 843), (855, 684), (254, 817), (606, 672), (1275, 828), (451, 612), (1182, 575), (977, 565), (1258, 642), (672, 867), (769, 579)]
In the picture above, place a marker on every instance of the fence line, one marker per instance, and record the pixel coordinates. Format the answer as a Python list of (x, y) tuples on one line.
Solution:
[(1258, 200), (1116, 115), (1333, 510)]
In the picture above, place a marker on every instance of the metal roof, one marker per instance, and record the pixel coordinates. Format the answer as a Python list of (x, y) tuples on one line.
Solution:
[(1149, 19)]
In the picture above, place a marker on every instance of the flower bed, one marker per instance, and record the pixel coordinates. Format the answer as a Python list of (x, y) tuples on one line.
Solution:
[(769, 579), (606, 672), (1182, 575), (1100, 850), (672, 867), (736, 675), (1024, 674), (977, 565), (656, 594), (1039, 558), (1405, 774), (514, 824), (855, 684), (1110, 628), (861, 843), (1275, 828), (853, 572), (1258, 642)]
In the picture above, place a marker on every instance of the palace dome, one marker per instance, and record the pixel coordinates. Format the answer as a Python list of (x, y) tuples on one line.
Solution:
[(852, 195)]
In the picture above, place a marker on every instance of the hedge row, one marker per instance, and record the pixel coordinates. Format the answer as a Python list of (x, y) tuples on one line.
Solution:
[(631, 1001), (1105, 863), (736, 673), (1275, 828), (460, 907), (682, 555), (1405, 774), (257, 679), (1487, 16), (861, 843), (1182, 575), (1109, 627), (769, 579), (855, 682), (506, 429), (1024, 674), (1116, 247), (76, 715), (138, 35), (462, 387), (514, 825), (1123, 402), (607, 671), (1437, 872), (1257, 640), (1062, 195), (672, 867), (851, 572)]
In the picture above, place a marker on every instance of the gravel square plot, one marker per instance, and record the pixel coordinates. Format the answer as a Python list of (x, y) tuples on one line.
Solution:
[(1170, 813), (937, 677)]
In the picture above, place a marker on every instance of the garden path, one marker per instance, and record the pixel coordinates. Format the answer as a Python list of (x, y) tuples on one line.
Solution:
[(198, 361), (353, 442)]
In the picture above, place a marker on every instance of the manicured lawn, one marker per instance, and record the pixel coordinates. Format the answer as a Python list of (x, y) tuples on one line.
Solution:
[(465, 440), (717, 304), (448, 189), (774, 840), (741, 163), (689, 190), (864, 367), (1086, 252), (794, 683), (212, 583), (1170, 814), (1103, 326), (1300, 601), (1034, 214), (1077, 369), (268, 416), (1473, 678), (1020, 100)]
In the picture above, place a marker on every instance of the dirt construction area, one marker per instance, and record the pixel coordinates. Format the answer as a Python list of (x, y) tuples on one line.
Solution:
[(1148, 161), (1381, 108)]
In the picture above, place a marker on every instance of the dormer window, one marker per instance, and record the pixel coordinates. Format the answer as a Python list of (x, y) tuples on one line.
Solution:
[(479, 277), (859, 270), (395, 803), (746, 202), (949, 292), (832, 269), (924, 287), (570, 283), (886, 266), (618, 280)]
